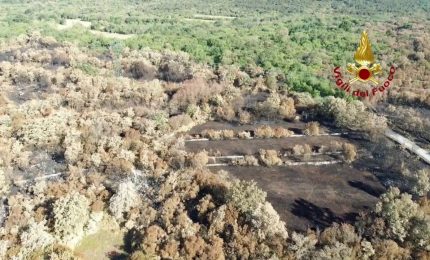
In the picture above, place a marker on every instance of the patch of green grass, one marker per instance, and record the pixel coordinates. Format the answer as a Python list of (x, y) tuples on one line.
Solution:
[(88, 69)]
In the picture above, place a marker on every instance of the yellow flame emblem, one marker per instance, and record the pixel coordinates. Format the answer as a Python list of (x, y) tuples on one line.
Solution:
[(364, 57), (364, 54)]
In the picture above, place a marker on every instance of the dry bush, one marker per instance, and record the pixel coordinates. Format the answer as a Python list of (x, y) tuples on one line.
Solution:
[(226, 113), (270, 107), (352, 115), (312, 128), (280, 132), (270, 157), (398, 210), (268, 222), (35, 237), (228, 134), (349, 152), (245, 196), (199, 160), (420, 182), (244, 117), (267, 131), (302, 246), (175, 71), (143, 70), (194, 92), (4, 184), (244, 135), (212, 134), (410, 119), (389, 249), (178, 121), (287, 109), (61, 58), (343, 233), (248, 160), (302, 150), (334, 146), (264, 131), (304, 100), (124, 199), (71, 214)]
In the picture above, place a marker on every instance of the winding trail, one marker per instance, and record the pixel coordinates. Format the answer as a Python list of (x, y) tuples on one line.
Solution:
[(408, 144)]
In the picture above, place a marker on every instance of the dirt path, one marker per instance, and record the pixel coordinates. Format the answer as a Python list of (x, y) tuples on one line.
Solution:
[(408, 144), (69, 23)]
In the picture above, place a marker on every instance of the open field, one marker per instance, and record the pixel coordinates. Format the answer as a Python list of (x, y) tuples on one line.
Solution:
[(313, 196), (305, 196)]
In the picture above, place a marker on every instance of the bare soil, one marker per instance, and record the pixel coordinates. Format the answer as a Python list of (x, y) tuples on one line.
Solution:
[(252, 146), (305, 196), (296, 127), (313, 196)]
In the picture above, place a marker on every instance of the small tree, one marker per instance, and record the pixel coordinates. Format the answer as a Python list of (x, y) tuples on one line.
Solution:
[(421, 182), (200, 159), (397, 210), (246, 196), (71, 214), (125, 198), (287, 109)]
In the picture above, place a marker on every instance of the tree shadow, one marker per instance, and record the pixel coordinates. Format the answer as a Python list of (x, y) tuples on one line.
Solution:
[(376, 192), (318, 216)]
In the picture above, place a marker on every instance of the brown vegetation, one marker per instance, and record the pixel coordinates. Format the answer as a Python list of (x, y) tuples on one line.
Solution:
[(114, 141)]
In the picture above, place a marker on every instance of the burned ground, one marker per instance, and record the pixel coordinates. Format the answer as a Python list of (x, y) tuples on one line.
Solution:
[(305, 196)]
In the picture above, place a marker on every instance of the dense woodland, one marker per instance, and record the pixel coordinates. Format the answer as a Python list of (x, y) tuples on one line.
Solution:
[(107, 115)]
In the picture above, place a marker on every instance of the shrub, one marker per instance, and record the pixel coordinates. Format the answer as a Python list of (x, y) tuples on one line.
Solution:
[(226, 113), (61, 58), (248, 160), (73, 146), (34, 238), (264, 131), (270, 157), (212, 134), (71, 213), (419, 233), (124, 199), (194, 92), (244, 117), (245, 196), (312, 128), (302, 246), (343, 233), (143, 70), (244, 135), (349, 152), (271, 106), (421, 182), (302, 150), (287, 109), (268, 222), (4, 185), (397, 210), (175, 71), (388, 249), (178, 121), (199, 160), (352, 115), (280, 132)]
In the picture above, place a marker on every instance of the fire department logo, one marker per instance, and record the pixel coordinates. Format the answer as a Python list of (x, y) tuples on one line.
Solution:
[(364, 70)]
